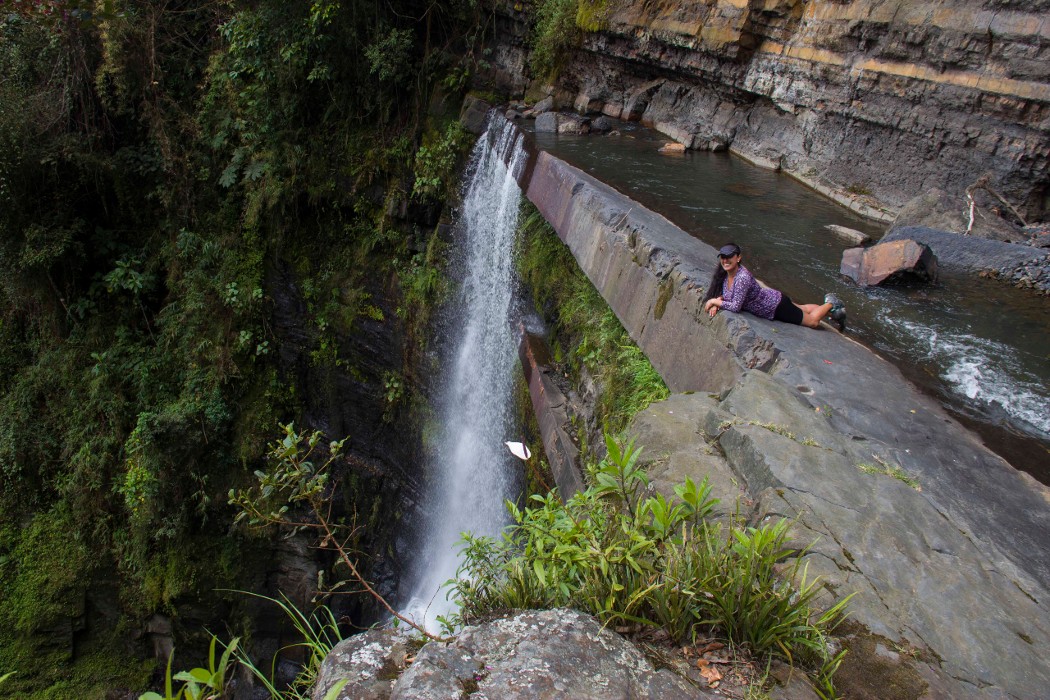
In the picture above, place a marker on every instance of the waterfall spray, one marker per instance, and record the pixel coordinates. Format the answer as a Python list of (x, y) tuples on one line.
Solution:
[(472, 472)]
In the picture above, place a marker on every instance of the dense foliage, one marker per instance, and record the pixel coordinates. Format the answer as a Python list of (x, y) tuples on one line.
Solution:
[(629, 558), (558, 27), (162, 165)]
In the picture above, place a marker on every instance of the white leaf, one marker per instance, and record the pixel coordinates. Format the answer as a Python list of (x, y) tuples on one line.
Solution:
[(519, 450)]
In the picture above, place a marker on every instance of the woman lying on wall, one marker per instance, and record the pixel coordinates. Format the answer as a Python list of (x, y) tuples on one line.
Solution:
[(737, 290)]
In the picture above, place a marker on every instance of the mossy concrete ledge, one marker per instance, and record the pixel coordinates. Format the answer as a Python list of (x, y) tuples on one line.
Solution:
[(951, 579)]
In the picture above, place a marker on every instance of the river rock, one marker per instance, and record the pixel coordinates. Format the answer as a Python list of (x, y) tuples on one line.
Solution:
[(543, 106), (527, 655), (558, 123), (888, 262), (601, 125), (672, 148), (849, 234), (474, 114), (1021, 265)]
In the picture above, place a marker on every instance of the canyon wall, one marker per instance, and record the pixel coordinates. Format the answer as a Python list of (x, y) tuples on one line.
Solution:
[(871, 102)]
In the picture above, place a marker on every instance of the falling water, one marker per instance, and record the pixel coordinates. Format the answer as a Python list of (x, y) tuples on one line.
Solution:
[(471, 472)]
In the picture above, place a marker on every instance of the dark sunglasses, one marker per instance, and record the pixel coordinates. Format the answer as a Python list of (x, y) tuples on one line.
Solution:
[(726, 257)]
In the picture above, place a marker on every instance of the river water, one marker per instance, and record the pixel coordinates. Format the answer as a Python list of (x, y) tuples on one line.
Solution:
[(979, 345)]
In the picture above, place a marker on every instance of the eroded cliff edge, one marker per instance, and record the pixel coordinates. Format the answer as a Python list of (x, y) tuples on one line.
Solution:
[(871, 102)]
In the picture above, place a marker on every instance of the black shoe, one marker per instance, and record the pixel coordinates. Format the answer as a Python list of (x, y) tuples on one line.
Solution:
[(838, 310)]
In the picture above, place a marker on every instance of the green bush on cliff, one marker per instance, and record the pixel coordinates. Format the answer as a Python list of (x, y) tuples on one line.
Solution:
[(557, 29), (630, 558), (585, 326)]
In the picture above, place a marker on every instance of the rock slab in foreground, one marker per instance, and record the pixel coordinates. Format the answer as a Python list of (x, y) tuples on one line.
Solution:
[(933, 616), (904, 258), (531, 655)]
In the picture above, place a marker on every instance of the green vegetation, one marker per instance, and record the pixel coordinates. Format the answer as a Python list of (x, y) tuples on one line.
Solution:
[(199, 683), (319, 631), (558, 28), (885, 468), (589, 336), (183, 188), (627, 557)]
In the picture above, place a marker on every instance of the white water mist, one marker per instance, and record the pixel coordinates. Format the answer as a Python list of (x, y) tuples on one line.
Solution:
[(472, 472)]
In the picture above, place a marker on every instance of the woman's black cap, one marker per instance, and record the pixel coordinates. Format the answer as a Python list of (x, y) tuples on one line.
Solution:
[(728, 250)]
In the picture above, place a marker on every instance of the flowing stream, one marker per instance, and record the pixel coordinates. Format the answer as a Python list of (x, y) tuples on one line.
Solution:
[(471, 472)]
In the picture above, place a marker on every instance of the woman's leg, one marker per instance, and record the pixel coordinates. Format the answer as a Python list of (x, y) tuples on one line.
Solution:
[(813, 314)]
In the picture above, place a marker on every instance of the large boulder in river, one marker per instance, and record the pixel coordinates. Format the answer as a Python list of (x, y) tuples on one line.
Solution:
[(889, 261), (533, 654), (1022, 265)]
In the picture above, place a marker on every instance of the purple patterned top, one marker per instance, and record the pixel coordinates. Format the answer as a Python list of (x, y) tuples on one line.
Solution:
[(748, 295)]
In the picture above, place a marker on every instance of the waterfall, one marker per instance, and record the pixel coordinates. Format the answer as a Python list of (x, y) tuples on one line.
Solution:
[(471, 472)]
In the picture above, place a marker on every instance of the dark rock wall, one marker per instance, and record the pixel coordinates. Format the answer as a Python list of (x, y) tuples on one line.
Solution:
[(379, 477), (871, 102)]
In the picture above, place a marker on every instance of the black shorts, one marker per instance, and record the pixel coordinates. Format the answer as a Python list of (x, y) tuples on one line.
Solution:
[(787, 312)]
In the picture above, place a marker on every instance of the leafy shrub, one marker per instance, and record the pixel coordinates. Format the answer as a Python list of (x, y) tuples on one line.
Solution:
[(558, 28), (627, 557), (199, 683), (436, 162)]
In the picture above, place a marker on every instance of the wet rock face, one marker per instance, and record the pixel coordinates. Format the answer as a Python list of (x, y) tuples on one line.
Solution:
[(533, 654), (873, 101), (936, 209)]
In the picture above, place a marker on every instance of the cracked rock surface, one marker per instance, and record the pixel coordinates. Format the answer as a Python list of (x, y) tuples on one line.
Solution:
[(530, 655), (923, 585)]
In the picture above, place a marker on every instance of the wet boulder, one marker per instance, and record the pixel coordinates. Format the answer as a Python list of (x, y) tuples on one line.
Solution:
[(474, 114), (558, 123), (889, 262), (544, 106), (602, 125), (672, 148), (849, 234)]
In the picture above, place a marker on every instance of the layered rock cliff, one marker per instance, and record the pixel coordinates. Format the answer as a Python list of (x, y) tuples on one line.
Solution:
[(870, 101)]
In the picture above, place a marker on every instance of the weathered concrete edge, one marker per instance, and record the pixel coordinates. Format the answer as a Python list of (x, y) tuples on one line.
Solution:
[(630, 255)]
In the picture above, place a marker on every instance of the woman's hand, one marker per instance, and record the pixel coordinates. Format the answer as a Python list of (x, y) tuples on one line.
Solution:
[(712, 306)]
